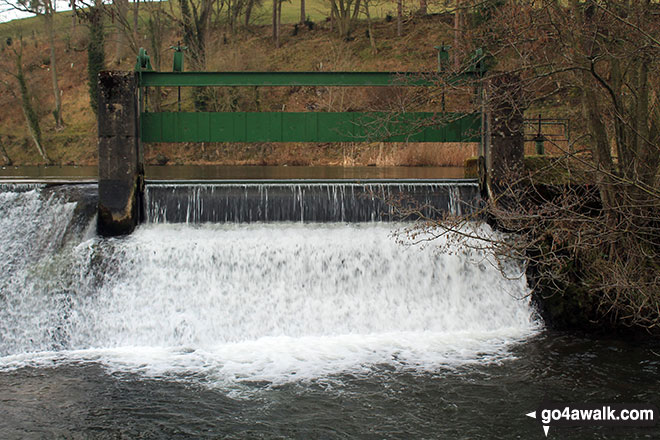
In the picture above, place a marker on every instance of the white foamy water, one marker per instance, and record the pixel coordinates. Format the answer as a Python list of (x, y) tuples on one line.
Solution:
[(272, 302)]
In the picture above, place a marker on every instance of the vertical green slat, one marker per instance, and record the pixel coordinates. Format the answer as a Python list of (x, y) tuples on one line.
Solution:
[(151, 127), (325, 128), (294, 128), (312, 126), (221, 127), (419, 133), (240, 127), (256, 127), (275, 127), (203, 127), (169, 127), (433, 133), (453, 128), (361, 124), (189, 127), (336, 127)]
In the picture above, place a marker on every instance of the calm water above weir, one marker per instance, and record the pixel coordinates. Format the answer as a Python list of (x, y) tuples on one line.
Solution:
[(277, 330), (213, 172)]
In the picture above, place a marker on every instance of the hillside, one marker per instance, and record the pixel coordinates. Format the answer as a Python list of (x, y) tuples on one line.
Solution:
[(302, 49)]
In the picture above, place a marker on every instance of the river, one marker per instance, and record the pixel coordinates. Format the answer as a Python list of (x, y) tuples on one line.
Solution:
[(278, 330)]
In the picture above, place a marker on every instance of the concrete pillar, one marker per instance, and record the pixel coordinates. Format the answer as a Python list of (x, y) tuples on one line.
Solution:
[(504, 139), (121, 172)]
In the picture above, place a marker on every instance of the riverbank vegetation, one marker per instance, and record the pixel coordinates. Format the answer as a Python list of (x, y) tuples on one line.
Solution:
[(586, 222)]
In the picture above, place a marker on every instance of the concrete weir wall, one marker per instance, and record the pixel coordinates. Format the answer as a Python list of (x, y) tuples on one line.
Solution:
[(121, 172)]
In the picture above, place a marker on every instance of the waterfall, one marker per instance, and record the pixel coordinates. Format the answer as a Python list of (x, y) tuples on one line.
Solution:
[(306, 201), (226, 303)]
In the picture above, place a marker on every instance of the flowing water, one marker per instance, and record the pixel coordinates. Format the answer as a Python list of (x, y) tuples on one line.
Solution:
[(307, 201), (276, 330)]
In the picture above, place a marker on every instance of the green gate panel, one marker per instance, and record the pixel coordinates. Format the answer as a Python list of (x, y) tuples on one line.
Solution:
[(309, 127)]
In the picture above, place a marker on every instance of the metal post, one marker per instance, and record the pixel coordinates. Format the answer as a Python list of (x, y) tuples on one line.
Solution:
[(177, 66), (538, 140)]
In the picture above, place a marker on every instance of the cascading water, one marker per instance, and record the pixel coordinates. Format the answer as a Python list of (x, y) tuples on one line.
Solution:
[(275, 302), (307, 201)]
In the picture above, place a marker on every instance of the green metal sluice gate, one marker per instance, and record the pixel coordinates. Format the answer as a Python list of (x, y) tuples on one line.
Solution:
[(301, 126)]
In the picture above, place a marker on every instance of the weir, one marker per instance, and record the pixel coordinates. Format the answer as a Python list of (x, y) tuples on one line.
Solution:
[(307, 201), (228, 304), (124, 123)]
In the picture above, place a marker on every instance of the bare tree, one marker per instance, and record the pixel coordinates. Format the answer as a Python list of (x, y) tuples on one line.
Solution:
[(345, 13), (93, 14), (120, 15), (366, 4), (136, 16), (585, 221), (45, 9), (276, 20), (399, 17), (249, 7), (31, 116)]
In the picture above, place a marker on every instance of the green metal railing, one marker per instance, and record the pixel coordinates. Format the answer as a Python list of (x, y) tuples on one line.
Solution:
[(301, 126)]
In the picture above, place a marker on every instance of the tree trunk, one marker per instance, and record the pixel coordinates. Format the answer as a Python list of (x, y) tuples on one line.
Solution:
[(423, 9), (332, 19), (601, 151), (57, 113), (457, 35), (399, 17), (95, 52), (136, 11), (345, 13), (31, 116), (155, 33), (72, 4), (372, 38), (121, 7), (279, 21), (248, 12), (303, 18), (276, 37)]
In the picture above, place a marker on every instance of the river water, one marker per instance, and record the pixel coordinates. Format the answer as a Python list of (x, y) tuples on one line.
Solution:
[(214, 172), (278, 330)]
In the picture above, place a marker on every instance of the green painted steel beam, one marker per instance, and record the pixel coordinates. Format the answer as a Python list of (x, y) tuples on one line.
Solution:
[(203, 79), (309, 127)]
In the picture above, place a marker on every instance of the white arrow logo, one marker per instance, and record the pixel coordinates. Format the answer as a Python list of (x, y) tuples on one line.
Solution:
[(546, 428)]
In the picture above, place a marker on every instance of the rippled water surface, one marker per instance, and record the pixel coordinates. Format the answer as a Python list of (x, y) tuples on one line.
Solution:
[(471, 402)]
